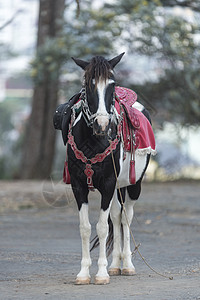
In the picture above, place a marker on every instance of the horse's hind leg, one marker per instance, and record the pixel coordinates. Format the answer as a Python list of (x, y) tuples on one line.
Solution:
[(115, 214), (132, 194), (83, 276)]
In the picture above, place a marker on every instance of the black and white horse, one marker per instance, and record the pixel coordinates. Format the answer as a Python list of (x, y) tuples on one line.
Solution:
[(94, 126)]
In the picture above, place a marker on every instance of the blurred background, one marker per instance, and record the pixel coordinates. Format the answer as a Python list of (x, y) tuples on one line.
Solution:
[(161, 39)]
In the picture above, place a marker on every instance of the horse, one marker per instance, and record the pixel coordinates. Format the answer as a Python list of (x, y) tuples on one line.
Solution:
[(94, 143)]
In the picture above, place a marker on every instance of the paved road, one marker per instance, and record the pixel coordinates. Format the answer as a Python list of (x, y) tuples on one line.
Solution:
[(40, 244)]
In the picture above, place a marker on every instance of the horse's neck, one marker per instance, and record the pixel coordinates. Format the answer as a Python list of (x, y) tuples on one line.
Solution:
[(88, 143)]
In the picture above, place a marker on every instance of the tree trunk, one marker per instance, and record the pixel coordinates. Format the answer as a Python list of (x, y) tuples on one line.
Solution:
[(40, 136)]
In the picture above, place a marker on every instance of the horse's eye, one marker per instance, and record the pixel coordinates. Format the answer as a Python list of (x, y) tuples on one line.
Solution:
[(111, 81)]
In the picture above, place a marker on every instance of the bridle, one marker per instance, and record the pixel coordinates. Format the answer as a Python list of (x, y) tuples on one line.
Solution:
[(91, 117)]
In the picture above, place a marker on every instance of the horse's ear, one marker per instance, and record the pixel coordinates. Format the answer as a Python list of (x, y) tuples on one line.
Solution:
[(113, 62), (81, 63)]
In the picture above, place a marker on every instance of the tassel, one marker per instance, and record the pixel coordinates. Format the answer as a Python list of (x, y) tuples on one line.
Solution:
[(66, 175), (132, 176)]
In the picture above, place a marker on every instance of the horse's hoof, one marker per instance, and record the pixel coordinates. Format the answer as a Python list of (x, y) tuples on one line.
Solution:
[(128, 271), (114, 271), (102, 280), (82, 280)]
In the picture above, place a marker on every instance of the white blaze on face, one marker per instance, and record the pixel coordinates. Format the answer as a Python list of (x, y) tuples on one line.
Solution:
[(102, 114)]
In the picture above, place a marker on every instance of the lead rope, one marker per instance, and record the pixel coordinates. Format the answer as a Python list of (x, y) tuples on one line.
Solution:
[(134, 242)]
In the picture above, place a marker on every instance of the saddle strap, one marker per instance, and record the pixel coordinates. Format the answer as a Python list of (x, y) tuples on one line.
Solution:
[(66, 175), (132, 175)]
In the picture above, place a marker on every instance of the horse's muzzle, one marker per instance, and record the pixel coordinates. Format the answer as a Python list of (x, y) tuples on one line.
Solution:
[(100, 127)]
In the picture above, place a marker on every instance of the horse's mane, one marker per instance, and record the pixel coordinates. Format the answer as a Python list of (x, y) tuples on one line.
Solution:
[(98, 69)]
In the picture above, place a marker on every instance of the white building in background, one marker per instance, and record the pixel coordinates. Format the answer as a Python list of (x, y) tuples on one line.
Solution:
[(19, 36)]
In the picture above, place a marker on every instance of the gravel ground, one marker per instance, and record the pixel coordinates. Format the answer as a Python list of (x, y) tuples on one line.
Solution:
[(40, 247)]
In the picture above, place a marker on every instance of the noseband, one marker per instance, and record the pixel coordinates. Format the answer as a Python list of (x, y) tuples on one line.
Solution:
[(90, 117)]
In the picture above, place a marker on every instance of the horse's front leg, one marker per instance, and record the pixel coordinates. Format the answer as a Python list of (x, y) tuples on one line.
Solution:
[(81, 195), (83, 276), (102, 276)]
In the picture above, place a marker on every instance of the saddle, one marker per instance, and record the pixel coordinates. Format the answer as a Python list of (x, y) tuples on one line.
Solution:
[(134, 120), (125, 98)]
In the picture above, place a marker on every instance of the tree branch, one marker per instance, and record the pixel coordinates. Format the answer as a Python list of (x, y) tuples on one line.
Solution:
[(10, 20), (194, 5), (78, 8)]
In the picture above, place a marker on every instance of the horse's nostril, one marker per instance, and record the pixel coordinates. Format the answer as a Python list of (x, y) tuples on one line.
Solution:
[(99, 129), (103, 122)]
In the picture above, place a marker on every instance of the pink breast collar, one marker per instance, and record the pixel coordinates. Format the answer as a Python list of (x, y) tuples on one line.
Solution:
[(91, 161)]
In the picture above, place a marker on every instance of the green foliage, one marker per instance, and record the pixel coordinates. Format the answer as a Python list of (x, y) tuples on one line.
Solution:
[(48, 60), (148, 28), (171, 40), (5, 127), (5, 117), (92, 33), (176, 96), (192, 4), (11, 147)]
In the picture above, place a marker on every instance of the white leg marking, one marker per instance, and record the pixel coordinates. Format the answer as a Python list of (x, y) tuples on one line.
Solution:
[(115, 214), (83, 276), (102, 276), (128, 268)]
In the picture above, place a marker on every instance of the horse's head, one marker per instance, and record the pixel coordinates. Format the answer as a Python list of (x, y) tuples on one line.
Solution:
[(99, 88)]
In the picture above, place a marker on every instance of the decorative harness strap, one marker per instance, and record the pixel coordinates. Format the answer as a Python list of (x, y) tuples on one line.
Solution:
[(97, 158)]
